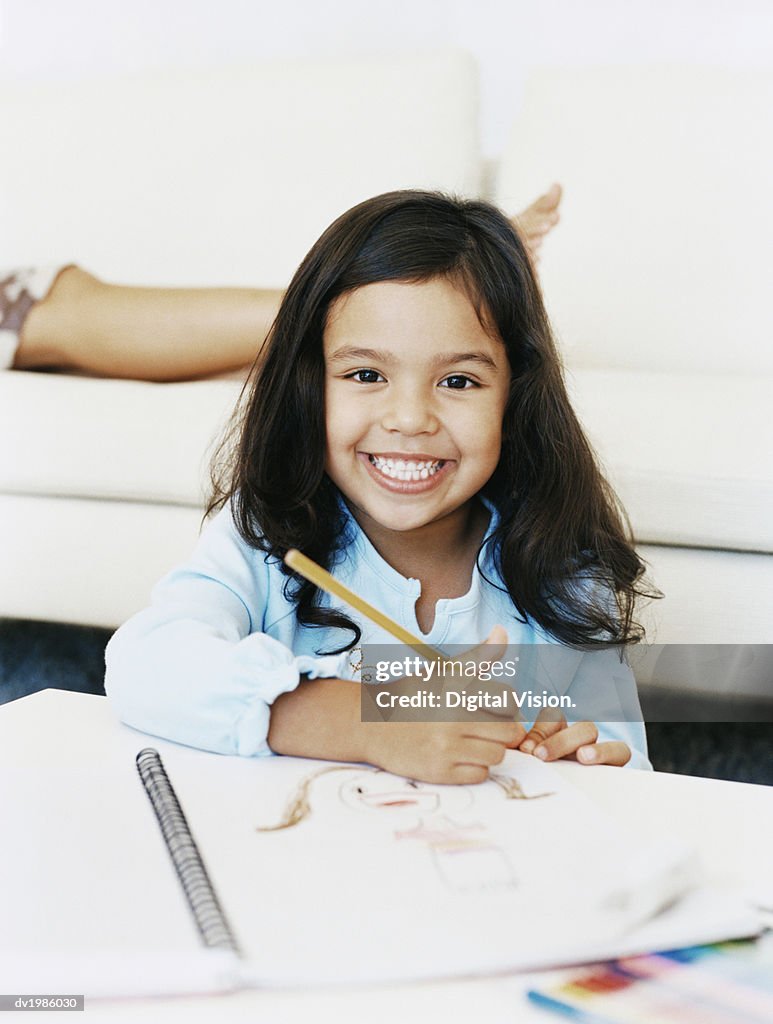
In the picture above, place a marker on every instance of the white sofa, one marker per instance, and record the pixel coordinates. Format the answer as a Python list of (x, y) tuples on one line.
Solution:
[(656, 280), (657, 283)]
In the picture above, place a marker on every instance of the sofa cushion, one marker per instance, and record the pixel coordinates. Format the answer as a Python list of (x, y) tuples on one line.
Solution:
[(225, 175), (94, 562), (710, 597), (663, 257), (688, 454), (84, 437)]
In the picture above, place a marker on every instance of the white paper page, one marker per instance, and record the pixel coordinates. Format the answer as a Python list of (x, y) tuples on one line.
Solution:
[(109, 974), (86, 867), (89, 900), (386, 879)]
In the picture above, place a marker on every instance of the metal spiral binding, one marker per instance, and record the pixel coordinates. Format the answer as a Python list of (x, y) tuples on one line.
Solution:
[(199, 892)]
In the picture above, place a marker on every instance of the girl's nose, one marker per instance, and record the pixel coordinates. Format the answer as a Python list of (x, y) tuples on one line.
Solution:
[(409, 413)]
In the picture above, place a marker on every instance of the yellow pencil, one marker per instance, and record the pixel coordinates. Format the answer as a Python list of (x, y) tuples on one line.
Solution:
[(322, 579)]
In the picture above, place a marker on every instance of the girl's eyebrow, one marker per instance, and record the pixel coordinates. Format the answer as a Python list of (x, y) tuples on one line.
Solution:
[(386, 358)]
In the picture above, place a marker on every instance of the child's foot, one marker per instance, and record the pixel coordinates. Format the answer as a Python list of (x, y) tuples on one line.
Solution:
[(15, 303), (540, 217), (20, 289)]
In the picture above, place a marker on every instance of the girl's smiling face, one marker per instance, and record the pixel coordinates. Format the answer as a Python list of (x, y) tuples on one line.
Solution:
[(415, 393)]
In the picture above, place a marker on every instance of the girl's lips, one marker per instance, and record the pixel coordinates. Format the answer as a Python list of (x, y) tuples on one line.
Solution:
[(405, 486)]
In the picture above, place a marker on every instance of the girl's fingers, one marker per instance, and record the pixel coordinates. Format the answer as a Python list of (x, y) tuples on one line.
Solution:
[(491, 649), (518, 738), (467, 775), (567, 741), (482, 752), (504, 731), (548, 723), (615, 752)]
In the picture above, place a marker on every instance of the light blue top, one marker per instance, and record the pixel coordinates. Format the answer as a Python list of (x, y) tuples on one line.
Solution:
[(220, 642)]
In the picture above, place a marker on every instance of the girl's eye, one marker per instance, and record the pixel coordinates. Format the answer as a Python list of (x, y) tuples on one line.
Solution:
[(412, 783), (459, 382), (365, 376)]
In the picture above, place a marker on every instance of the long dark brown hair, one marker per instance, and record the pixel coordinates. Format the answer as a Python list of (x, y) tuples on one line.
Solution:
[(562, 547)]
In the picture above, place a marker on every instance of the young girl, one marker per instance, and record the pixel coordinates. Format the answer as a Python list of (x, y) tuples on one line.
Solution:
[(410, 431)]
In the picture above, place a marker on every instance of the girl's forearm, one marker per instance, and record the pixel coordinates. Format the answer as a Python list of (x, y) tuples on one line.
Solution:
[(322, 719)]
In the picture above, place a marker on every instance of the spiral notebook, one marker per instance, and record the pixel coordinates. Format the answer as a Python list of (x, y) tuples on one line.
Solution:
[(200, 895), (201, 873), (402, 928)]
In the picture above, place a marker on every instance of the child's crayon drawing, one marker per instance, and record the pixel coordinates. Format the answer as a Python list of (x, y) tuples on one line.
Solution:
[(464, 854)]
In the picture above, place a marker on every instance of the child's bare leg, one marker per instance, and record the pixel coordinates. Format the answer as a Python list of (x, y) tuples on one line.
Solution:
[(538, 219), (149, 333), (111, 330)]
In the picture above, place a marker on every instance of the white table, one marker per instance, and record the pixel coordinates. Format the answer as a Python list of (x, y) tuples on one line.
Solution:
[(730, 823)]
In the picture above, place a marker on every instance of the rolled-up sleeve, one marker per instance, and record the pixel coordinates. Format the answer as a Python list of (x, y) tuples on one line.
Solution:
[(195, 666)]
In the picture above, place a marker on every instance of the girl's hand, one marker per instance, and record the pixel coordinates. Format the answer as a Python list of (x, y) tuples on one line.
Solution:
[(453, 753), (459, 752), (552, 738)]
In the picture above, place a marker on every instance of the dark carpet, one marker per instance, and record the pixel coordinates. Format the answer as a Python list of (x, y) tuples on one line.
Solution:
[(37, 656)]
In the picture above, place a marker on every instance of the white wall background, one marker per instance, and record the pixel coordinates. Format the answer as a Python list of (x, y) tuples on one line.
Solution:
[(66, 39)]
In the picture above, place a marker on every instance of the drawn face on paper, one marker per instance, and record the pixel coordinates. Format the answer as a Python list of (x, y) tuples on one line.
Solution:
[(380, 791)]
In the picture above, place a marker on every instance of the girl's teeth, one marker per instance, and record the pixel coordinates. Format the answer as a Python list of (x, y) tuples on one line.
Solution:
[(400, 469)]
